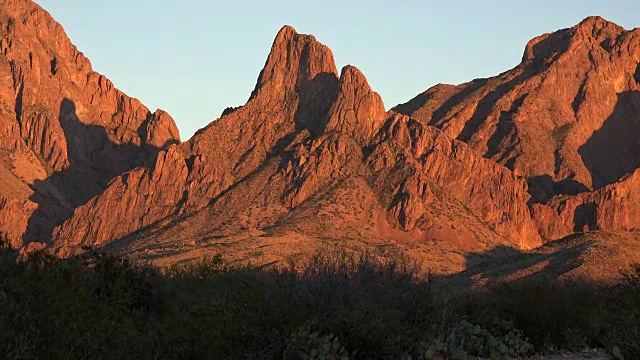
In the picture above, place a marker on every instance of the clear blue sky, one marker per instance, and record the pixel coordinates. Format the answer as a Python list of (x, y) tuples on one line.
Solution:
[(193, 58)]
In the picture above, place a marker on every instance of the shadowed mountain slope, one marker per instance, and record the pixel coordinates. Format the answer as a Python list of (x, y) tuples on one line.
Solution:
[(565, 116)]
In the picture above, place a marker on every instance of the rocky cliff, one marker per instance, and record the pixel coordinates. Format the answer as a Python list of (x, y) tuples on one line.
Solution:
[(65, 130), (313, 159), (566, 118), (304, 136)]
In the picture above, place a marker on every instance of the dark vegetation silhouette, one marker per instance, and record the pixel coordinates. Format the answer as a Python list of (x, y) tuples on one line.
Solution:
[(94, 160), (339, 305)]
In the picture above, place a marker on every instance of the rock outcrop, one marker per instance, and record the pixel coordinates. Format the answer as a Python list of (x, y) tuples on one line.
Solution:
[(312, 159), (422, 165), (358, 111), (115, 212), (304, 136), (566, 117), (614, 207), (293, 93), (66, 130)]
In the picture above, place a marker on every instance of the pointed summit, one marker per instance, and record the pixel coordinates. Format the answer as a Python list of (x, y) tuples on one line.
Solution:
[(295, 59), (160, 130), (358, 111), (286, 33)]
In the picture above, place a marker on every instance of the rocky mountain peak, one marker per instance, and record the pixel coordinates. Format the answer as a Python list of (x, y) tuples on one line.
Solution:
[(317, 152), (358, 111), (534, 154), (594, 32), (160, 130), (65, 130), (597, 26), (295, 61)]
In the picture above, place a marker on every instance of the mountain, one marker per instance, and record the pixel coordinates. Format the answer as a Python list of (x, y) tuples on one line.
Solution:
[(545, 119), (65, 130), (313, 159), (566, 119)]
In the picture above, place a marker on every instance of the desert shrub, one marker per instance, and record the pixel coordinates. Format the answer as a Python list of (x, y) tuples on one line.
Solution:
[(306, 344), (57, 309), (560, 133), (622, 331), (103, 307), (466, 339), (567, 316)]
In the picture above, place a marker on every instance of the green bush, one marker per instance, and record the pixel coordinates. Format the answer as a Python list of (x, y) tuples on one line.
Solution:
[(623, 327)]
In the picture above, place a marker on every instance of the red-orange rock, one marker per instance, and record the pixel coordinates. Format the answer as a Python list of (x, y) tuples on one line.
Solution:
[(14, 217), (66, 130), (614, 207), (358, 111), (304, 136), (159, 189), (293, 93), (567, 112), (313, 158), (426, 166), (566, 118)]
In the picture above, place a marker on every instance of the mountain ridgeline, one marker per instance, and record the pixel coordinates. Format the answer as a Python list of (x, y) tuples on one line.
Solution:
[(313, 159)]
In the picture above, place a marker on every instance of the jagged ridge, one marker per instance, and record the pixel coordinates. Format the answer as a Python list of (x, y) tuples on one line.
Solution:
[(566, 118), (314, 157), (65, 130), (306, 140)]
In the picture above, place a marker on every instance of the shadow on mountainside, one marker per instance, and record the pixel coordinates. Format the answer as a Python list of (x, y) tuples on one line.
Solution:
[(487, 93), (316, 98), (94, 160), (504, 263), (543, 187), (613, 151), (533, 63)]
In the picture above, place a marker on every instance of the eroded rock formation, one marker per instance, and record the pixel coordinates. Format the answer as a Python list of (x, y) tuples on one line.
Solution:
[(542, 151), (65, 130), (304, 135), (566, 117)]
